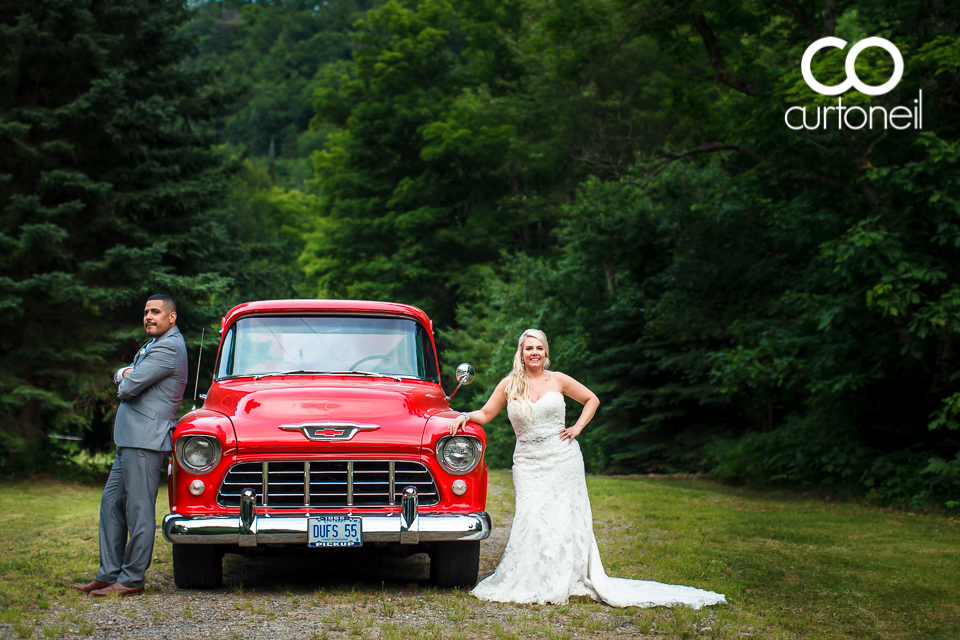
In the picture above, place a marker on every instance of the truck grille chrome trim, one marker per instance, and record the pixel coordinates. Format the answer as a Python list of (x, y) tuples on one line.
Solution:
[(248, 519), (292, 529), (350, 484), (327, 431), (266, 489), (306, 483), (393, 484), (327, 483), (409, 517)]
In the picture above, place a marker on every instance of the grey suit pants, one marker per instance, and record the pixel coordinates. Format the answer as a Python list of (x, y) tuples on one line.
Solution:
[(128, 506)]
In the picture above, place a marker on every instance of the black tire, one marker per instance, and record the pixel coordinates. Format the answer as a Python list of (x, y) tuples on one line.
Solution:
[(197, 566), (455, 564)]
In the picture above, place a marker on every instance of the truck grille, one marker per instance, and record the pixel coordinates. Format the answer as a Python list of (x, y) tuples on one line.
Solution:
[(328, 483)]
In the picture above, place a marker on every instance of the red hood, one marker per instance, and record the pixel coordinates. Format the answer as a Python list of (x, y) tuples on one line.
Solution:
[(257, 409)]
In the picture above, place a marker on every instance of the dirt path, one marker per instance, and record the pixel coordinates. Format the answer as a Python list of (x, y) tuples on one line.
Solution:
[(341, 596)]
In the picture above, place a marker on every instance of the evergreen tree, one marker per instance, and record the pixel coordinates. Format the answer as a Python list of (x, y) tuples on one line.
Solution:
[(107, 194)]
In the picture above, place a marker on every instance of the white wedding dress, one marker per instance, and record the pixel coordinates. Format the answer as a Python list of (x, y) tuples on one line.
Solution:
[(552, 553)]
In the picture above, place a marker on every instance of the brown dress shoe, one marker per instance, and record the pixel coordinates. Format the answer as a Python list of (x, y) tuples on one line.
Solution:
[(117, 588), (93, 586)]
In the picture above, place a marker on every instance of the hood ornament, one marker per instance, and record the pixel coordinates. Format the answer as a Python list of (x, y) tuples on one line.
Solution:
[(329, 431)]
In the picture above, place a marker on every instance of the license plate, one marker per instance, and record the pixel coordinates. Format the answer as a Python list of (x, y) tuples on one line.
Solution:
[(334, 531)]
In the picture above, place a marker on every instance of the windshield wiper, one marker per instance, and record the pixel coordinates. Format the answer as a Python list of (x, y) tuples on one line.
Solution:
[(353, 372), (289, 373)]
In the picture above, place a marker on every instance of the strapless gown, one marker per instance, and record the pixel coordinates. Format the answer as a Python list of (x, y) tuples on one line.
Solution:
[(552, 553)]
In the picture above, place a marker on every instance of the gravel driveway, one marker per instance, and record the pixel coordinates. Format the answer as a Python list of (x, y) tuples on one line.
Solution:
[(340, 596)]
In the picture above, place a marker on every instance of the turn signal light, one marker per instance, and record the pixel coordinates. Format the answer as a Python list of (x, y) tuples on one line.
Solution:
[(196, 487)]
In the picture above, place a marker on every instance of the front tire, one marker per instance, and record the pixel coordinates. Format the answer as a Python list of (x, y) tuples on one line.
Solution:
[(455, 564), (197, 566)]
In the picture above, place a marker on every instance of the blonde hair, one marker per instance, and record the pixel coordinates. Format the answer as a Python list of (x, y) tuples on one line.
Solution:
[(518, 387)]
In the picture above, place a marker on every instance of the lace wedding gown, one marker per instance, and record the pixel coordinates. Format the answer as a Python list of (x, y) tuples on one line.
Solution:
[(552, 553)]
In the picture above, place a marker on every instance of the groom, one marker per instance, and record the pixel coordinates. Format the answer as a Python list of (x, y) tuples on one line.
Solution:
[(151, 389)]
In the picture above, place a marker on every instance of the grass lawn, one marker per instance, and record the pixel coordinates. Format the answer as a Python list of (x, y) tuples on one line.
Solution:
[(803, 566), (791, 567)]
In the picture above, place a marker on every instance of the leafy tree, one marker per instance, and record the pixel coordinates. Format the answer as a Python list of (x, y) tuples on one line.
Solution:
[(459, 135), (783, 301), (270, 57), (409, 196), (270, 54)]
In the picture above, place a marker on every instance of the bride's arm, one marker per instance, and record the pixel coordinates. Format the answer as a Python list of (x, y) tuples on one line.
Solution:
[(573, 389), (495, 404)]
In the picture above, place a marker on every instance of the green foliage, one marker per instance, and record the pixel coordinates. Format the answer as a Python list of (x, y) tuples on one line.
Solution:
[(107, 193), (270, 58), (409, 182), (786, 312), (769, 304), (270, 55), (274, 223)]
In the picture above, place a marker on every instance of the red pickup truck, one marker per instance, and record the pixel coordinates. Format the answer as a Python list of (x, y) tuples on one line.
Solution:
[(326, 426)]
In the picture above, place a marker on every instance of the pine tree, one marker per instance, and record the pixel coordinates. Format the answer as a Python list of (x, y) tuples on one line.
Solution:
[(107, 194)]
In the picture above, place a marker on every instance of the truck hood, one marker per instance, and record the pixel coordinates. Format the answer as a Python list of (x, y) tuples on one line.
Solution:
[(276, 415)]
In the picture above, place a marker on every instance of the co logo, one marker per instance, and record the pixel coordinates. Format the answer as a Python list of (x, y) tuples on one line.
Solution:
[(852, 79)]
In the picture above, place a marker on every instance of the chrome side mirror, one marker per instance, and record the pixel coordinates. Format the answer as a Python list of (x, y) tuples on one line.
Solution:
[(465, 375)]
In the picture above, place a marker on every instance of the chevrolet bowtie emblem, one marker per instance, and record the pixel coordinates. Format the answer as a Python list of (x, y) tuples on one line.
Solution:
[(329, 430)]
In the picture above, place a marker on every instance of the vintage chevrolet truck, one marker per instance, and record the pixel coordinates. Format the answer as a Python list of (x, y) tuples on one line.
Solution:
[(326, 426)]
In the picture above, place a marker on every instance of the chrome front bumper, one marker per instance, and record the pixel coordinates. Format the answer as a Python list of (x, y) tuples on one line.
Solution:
[(250, 528)]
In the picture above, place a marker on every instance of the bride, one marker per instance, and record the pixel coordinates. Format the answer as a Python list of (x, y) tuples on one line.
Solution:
[(552, 553)]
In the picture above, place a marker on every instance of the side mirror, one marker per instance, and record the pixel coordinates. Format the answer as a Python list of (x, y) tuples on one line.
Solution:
[(465, 375)]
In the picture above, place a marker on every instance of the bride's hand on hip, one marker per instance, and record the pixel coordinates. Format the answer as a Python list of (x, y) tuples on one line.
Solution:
[(570, 433)]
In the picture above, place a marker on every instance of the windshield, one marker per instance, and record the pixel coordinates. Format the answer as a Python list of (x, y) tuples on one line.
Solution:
[(260, 345)]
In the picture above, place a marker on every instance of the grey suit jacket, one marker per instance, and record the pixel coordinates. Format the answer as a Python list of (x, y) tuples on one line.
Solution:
[(151, 394)]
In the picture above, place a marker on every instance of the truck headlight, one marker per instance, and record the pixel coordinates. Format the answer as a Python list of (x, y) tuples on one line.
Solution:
[(459, 454), (198, 454)]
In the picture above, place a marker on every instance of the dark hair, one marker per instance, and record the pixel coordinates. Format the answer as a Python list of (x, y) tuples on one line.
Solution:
[(167, 300)]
